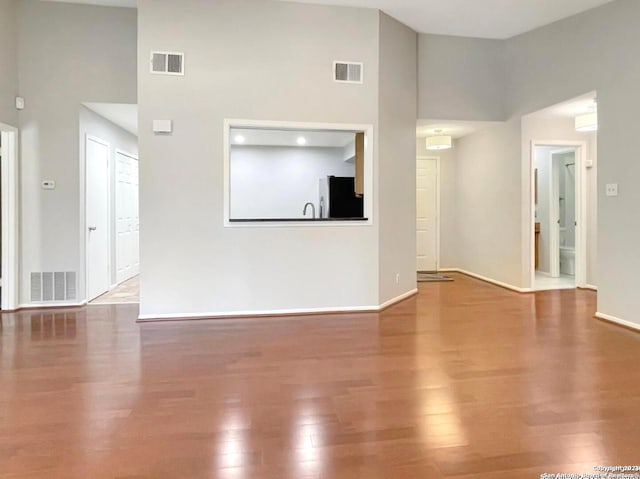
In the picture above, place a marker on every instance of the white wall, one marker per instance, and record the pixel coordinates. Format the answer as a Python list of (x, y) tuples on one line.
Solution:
[(461, 78), (397, 159), (276, 182), (9, 62), (246, 60), (448, 200), (68, 54), (118, 139)]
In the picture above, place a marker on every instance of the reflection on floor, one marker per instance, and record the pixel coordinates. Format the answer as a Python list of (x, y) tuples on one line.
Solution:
[(127, 292), (462, 381), (545, 282)]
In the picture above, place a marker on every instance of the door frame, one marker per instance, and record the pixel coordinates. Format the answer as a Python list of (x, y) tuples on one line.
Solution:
[(10, 218), (84, 234), (437, 158), (580, 207), (114, 219)]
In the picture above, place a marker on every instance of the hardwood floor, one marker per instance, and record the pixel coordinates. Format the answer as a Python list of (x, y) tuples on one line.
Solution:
[(127, 292), (465, 380)]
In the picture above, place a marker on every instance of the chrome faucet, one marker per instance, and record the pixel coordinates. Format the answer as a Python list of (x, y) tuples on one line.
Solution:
[(313, 210)]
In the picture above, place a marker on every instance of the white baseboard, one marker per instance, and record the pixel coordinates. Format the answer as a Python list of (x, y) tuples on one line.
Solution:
[(397, 299), (589, 286), (277, 312), (618, 321), (50, 305), (488, 280)]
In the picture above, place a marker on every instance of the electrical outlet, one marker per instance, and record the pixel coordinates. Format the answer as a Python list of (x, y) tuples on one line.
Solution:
[(397, 278), (612, 189)]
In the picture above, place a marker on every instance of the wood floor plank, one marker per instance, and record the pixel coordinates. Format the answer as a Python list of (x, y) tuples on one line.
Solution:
[(464, 380)]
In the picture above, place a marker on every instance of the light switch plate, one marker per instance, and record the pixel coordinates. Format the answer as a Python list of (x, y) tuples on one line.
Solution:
[(612, 189), (19, 103), (49, 185), (162, 126)]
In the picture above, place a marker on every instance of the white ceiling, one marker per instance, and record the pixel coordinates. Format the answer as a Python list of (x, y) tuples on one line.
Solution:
[(455, 129), (262, 137), (474, 18), (122, 114), (467, 18), (570, 108)]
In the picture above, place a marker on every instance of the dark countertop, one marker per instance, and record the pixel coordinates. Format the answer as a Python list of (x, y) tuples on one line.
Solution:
[(293, 220)]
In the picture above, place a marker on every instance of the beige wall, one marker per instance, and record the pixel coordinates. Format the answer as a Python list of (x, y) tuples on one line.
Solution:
[(8, 62)]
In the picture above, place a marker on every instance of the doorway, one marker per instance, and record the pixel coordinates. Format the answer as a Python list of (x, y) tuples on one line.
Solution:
[(8, 217), (127, 217), (559, 256), (97, 233), (427, 214)]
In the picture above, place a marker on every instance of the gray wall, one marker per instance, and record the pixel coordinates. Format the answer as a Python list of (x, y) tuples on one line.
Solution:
[(118, 139), (461, 78), (9, 62), (488, 207), (248, 60), (68, 54), (595, 51), (397, 158)]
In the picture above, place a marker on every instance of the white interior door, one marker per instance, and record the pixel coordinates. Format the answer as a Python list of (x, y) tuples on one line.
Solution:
[(127, 217), (427, 211), (97, 217)]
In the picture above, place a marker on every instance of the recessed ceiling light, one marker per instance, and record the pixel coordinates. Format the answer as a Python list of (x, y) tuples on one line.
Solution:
[(301, 141), (239, 139)]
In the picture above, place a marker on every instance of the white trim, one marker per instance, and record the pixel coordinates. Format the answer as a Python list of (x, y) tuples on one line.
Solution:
[(84, 260), (437, 158), (369, 186), (398, 299), (589, 286), (129, 155), (277, 312), (487, 280), (10, 274), (51, 305), (114, 220), (621, 322), (581, 212), (554, 217)]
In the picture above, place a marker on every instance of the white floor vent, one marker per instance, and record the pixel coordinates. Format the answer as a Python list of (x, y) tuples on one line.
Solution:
[(348, 72), (58, 286)]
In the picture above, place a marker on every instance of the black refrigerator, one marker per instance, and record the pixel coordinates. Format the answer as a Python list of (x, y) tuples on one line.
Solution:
[(338, 198)]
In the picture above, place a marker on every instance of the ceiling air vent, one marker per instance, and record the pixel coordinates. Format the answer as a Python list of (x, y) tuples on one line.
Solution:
[(167, 63), (348, 72)]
